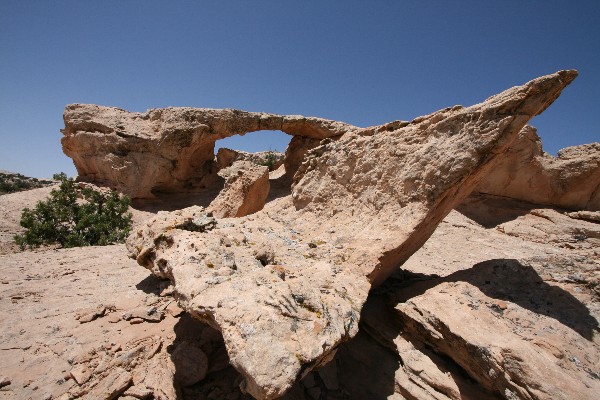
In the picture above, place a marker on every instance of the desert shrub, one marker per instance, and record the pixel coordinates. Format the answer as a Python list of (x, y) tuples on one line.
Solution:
[(76, 216), (12, 183), (270, 160)]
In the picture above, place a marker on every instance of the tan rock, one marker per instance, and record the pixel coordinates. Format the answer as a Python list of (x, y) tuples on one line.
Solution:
[(91, 314), (592, 216), (361, 206), (81, 374), (391, 188), (138, 392), (4, 381), (295, 152), (112, 386), (191, 364), (166, 150), (245, 192), (550, 226), (570, 180), (457, 319), (150, 314)]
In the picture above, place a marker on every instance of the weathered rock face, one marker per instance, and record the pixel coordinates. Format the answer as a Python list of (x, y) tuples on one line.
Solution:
[(170, 149), (245, 192), (394, 185), (294, 154), (571, 180), (286, 285)]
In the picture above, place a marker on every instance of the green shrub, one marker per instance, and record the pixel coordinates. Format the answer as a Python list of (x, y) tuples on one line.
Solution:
[(12, 183), (73, 216), (270, 160)]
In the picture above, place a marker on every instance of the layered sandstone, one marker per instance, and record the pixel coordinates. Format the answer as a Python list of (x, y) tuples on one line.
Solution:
[(169, 149), (570, 180), (286, 285)]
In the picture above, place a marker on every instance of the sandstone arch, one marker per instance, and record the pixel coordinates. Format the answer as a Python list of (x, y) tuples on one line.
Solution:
[(171, 149)]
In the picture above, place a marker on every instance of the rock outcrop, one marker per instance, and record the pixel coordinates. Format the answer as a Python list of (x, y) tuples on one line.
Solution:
[(531, 290), (570, 180), (166, 150), (285, 286), (245, 192)]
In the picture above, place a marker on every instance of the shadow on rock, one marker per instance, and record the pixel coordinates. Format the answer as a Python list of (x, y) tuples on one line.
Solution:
[(507, 279), (490, 211), (280, 187), (381, 362), (362, 368), (172, 201), (202, 368), (152, 285)]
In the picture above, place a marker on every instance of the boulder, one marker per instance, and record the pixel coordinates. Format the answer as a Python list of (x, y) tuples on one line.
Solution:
[(169, 149), (286, 285), (570, 180), (245, 192)]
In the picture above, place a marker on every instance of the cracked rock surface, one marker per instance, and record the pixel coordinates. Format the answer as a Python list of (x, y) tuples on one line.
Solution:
[(286, 286)]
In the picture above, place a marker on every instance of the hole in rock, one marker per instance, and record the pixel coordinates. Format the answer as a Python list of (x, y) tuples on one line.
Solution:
[(263, 147), (254, 142)]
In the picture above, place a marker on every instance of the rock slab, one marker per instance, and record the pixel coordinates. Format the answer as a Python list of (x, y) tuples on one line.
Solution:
[(286, 285)]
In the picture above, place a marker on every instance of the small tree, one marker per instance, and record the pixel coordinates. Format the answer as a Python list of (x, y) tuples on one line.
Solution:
[(73, 216)]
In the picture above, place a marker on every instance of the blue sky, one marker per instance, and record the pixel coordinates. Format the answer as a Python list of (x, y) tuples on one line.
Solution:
[(362, 62)]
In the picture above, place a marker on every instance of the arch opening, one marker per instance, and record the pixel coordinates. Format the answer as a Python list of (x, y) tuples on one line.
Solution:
[(265, 147)]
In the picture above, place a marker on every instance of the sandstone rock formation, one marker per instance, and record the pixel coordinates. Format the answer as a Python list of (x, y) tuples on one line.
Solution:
[(245, 192), (570, 180), (170, 149), (295, 153), (286, 286), (521, 291)]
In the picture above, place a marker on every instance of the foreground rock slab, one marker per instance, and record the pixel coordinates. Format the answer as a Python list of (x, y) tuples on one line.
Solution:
[(285, 286)]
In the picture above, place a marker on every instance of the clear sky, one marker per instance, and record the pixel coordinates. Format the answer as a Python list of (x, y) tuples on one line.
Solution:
[(362, 62)]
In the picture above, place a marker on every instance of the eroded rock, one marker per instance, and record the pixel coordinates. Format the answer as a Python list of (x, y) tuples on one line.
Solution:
[(507, 349), (245, 192), (169, 149), (570, 180), (286, 286), (192, 362)]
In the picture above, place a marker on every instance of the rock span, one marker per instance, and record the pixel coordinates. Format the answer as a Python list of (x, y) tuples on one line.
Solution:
[(286, 285), (169, 149)]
